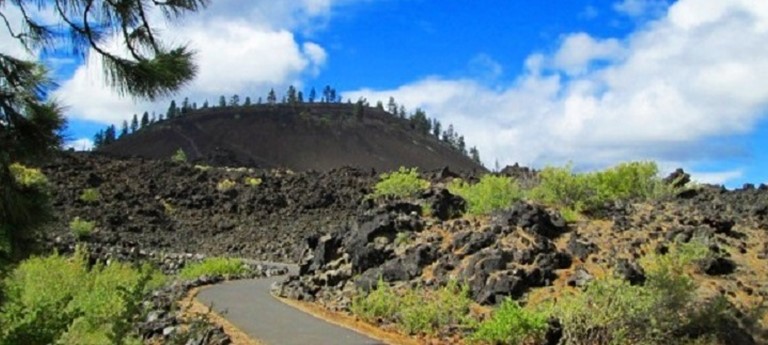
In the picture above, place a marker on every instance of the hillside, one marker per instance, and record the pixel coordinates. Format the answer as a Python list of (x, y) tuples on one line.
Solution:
[(319, 136)]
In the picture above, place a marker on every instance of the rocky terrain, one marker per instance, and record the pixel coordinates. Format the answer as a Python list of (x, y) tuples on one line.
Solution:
[(345, 242)]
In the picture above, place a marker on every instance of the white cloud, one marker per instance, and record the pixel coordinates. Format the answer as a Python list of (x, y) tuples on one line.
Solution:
[(666, 92), (236, 54), (579, 50), (82, 144), (717, 178)]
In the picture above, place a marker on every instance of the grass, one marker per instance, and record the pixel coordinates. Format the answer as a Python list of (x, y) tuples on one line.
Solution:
[(227, 267), (81, 228), (490, 194), (400, 184)]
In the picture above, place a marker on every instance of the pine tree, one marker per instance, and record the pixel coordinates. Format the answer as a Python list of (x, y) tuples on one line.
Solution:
[(110, 135), (402, 112), (392, 106), (420, 122), (379, 105), (145, 120), (98, 139), (222, 101), (124, 129), (172, 110), (291, 97), (312, 95), (475, 155), (134, 123), (328, 94), (205, 104), (247, 102), (271, 97), (461, 145), (359, 110), (436, 127), (300, 97), (234, 101), (185, 106)]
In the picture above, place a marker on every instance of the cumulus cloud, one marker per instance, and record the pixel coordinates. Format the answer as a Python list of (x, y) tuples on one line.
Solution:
[(689, 77), (243, 52)]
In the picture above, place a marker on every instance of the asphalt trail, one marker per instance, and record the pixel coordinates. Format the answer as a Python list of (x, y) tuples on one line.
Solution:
[(249, 305)]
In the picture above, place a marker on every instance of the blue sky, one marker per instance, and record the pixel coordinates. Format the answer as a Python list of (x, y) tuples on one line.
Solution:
[(588, 82)]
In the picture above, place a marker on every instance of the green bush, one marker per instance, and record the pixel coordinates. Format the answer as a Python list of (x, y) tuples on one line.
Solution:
[(416, 310), (58, 299), (400, 184), (427, 312), (90, 195), (81, 228), (227, 267), (490, 194), (180, 156), (662, 311), (380, 304), (511, 324), (253, 181), (560, 187)]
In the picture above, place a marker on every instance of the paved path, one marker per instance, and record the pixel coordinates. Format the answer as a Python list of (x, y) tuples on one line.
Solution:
[(249, 305)]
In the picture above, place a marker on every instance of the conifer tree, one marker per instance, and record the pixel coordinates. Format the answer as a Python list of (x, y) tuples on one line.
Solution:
[(222, 101), (436, 128), (234, 101), (271, 97), (392, 106), (134, 123), (124, 129), (291, 97), (172, 110), (312, 95), (145, 120), (247, 102), (475, 155)]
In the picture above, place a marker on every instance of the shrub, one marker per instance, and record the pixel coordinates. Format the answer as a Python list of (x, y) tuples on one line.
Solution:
[(225, 185), (380, 304), (90, 195), (611, 311), (227, 267), (180, 156), (415, 310), (427, 312), (81, 228), (400, 184), (490, 194), (560, 187), (253, 181), (58, 299), (511, 324)]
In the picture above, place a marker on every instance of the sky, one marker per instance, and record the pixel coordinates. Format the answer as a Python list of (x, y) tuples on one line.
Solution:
[(591, 83)]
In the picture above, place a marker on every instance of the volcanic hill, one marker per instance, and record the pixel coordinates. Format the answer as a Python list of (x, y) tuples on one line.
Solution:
[(318, 136)]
